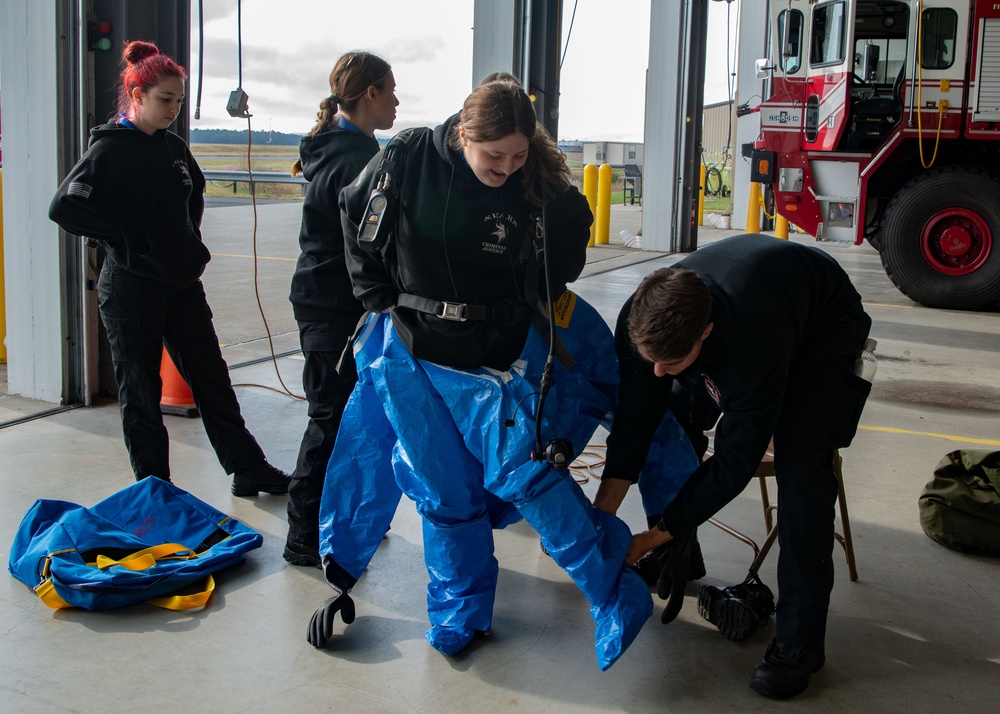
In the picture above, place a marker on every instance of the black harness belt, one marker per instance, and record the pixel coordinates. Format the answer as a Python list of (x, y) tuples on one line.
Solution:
[(503, 312)]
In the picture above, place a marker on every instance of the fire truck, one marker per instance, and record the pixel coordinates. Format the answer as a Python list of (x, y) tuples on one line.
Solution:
[(883, 124)]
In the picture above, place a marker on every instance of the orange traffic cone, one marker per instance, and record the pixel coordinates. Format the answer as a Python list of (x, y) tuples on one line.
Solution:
[(176, 397)]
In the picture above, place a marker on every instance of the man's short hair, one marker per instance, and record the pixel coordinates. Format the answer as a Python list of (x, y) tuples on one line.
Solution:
[(670, 310)]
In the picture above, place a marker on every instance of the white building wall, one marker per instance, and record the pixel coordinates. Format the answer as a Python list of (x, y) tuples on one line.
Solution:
[(663, 131), (35, 350)]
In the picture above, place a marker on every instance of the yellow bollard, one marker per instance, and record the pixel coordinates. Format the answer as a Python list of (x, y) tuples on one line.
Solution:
[(590, 193), (780, 227), (701, 195), (603, 205), (3, 289), (753, 209)]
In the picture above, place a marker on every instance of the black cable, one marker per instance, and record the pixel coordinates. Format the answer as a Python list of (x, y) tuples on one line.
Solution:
[(239, 41), (546, 381), (201, 57), (569, 34)]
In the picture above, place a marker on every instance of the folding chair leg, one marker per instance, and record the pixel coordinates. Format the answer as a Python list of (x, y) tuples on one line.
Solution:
[(845, 540)]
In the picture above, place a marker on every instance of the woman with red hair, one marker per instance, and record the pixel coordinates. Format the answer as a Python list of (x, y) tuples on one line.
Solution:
[(139, 192)]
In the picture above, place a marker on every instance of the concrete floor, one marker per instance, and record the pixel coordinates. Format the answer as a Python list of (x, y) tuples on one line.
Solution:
[(917, 633)]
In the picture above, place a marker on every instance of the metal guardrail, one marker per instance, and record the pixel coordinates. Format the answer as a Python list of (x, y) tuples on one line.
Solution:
[(238, 177)]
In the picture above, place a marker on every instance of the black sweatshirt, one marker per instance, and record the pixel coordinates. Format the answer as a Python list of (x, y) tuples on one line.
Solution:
[(774, 303), (321, 288), (143, 197), (459, 240)]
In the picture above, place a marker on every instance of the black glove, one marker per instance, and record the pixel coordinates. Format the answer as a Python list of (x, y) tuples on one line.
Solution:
[(321, 623), (676, 561)]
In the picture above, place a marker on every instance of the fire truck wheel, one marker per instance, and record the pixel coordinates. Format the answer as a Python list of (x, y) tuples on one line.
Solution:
[(940, 239)]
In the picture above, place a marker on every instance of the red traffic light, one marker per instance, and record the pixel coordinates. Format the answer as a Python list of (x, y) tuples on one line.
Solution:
[(103, 27)]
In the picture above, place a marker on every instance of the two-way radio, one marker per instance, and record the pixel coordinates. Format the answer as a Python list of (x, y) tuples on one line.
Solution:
[(383, 204)]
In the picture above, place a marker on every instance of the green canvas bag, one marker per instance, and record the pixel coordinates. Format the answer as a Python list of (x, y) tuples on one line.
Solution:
[(960, 506)]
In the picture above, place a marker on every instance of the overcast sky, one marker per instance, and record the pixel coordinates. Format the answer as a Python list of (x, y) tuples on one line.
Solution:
[(289, 48)]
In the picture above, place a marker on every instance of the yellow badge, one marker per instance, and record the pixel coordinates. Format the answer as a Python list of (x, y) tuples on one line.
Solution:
[(563, 308)]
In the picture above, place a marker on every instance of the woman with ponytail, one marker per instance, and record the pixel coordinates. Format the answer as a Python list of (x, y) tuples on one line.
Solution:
[(139, 192), (362, 99)]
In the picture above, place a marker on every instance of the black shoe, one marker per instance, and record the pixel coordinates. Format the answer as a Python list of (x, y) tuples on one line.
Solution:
[(739, 610), (261, 478), (298, 553), (650, 565), (784, 671)]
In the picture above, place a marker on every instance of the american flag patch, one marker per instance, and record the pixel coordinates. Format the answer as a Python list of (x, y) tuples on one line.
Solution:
[(76, 188)]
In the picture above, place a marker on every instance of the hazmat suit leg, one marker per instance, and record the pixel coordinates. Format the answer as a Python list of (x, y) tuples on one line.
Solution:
[(360, 494), (435, 470)]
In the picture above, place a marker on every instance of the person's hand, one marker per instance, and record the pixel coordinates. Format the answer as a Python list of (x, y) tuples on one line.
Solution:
[(644, 542), (321, 623)]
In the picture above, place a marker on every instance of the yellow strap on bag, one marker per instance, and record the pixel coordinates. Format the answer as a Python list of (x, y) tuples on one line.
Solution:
[(46, 592), (140, 560), (190, 603), (146, 558)]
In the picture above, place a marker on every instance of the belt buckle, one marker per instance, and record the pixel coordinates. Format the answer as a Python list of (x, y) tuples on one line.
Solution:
[(454, 311)]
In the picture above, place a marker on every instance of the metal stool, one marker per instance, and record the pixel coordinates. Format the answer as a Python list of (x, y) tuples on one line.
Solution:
[(766, 469)]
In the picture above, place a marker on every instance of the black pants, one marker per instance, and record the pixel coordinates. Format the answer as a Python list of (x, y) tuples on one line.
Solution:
[(820, 412), (142, 316), (327, 391)]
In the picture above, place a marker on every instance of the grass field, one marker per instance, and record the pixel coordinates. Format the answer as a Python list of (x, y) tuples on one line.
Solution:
[(232, 157)]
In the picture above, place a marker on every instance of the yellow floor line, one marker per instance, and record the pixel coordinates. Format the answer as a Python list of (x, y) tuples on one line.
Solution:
[(259, 257), (965, 439)]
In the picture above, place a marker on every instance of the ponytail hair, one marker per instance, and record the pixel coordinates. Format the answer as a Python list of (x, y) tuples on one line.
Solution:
[(145, 67), (350, 78)]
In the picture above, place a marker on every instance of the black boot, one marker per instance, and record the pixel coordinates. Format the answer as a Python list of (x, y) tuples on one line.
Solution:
[(739, 610), (302, 549), (784, 671), (261, 478)]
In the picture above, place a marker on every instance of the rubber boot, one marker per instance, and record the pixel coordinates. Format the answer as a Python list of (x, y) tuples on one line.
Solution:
[(590, 545), (463, 579)]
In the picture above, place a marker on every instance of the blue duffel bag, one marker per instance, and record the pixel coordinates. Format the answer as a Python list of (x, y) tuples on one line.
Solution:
[(144, 543)]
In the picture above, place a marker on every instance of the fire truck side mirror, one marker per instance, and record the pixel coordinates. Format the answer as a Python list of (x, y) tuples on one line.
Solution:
[(762, 68)]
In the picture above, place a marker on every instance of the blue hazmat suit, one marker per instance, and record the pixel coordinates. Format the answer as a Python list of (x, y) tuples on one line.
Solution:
[(438, 434)]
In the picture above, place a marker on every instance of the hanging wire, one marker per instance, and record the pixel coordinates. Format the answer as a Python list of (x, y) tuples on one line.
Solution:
[(201, 57), (569, 34), (239, 42), (253, 199)]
